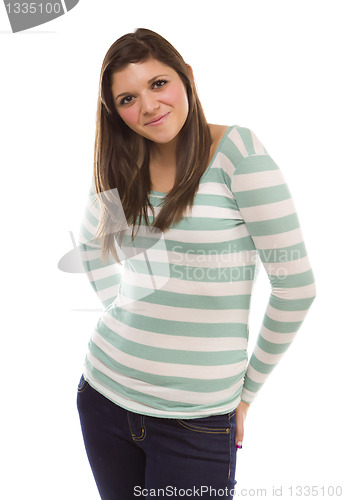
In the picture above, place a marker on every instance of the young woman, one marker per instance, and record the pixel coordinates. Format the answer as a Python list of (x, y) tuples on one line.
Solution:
[(166, 383)]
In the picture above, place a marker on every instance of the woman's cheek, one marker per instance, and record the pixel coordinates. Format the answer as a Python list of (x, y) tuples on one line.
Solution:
[(176, 97), (130, 116), (173, 95)]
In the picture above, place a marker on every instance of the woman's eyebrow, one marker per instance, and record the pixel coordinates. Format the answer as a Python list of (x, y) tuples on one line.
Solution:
[(149, 82)]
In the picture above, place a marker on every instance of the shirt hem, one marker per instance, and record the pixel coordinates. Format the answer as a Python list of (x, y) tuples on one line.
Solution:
[(166, 414)]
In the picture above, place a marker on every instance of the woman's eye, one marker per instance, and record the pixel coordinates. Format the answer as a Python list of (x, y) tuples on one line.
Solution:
[(126, 100), (159, 83)]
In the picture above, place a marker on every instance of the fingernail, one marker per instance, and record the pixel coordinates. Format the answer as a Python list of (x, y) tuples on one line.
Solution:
[(239, 445)]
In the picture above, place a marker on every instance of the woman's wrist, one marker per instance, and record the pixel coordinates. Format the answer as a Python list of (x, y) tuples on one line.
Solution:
[(244, 404)]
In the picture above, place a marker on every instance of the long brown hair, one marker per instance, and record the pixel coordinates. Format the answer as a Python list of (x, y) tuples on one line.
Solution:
[(121, 156)]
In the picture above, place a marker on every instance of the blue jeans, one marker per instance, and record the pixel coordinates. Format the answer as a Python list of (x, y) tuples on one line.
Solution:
[(138, 456)]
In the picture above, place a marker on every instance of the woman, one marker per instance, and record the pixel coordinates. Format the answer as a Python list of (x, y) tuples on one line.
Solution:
[(166, 385)]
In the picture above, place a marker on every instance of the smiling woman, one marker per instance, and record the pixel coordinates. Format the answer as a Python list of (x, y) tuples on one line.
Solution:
[(143, 77), (166, 383), (154, 108)]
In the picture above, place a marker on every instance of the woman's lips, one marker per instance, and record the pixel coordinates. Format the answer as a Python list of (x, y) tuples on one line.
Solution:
[(158, 121)]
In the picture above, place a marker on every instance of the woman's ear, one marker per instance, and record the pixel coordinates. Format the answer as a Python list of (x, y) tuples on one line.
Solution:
[(190, 71)]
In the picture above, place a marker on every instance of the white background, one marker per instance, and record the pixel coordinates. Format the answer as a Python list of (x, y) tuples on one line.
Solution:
[(272, 66)]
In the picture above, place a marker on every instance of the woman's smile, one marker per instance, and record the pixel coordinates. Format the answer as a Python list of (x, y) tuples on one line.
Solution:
[(158, 121)]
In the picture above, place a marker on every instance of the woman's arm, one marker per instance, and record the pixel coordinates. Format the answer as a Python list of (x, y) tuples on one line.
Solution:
[(104, 278), (266, 206)]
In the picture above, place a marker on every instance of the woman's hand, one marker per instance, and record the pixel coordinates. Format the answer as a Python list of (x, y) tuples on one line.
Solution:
[(240, 416)]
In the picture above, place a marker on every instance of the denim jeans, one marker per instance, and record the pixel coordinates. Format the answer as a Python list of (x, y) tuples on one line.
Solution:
[(138, 456)]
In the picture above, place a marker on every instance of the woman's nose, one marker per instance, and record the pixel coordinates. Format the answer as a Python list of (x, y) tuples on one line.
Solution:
[(149, 104)]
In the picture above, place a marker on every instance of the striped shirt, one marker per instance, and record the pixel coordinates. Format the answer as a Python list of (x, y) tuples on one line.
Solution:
[(172, 340)]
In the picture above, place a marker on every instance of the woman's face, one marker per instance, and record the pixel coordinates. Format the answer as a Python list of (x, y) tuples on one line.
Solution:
[(151, 99)]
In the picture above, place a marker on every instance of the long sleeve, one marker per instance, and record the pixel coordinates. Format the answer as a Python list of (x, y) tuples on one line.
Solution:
[(104, 278), (267, 208)]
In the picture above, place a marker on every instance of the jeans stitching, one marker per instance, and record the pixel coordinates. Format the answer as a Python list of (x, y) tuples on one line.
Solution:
[(230, 457), (230, 445), (143, 428), (230, 414), (143, 435), (84, 386), (204, 430)]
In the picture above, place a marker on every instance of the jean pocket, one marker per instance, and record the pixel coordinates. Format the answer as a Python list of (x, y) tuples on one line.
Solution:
[(83, 384), (214, 424)]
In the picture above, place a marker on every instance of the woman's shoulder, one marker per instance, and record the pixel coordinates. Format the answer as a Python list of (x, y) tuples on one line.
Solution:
[(237, 142), (217, 131), (242, 138)]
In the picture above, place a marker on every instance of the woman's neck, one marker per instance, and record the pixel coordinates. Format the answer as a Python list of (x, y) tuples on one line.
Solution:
[(164, 154)]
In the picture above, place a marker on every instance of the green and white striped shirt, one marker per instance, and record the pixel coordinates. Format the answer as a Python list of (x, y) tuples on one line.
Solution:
[(172, 341)]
